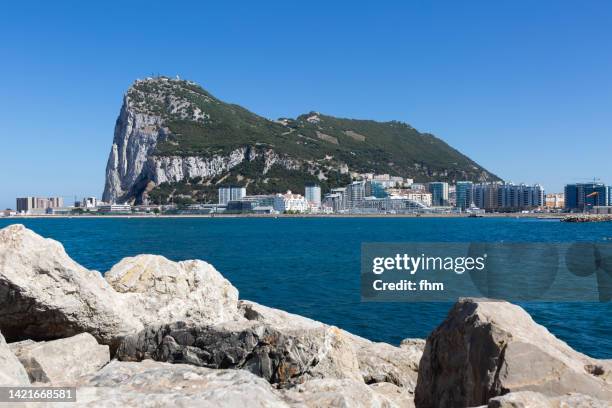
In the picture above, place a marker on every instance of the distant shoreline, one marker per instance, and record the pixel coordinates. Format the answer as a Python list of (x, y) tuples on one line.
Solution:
[(148, 216)]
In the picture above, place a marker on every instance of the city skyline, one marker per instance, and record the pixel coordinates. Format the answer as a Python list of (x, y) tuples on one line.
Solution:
[(523, 89), (369, 193)]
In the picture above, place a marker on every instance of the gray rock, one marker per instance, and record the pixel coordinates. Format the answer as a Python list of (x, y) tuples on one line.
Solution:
[(530, 399), (488, 348), (46, 295), (162, 291), (12, 372), (574, 400), (413, 344), (521, 399), (378, 362), (151, 384), (382, 362), (279, 357), (345, 393), (63, 360), (275, 318), (399, 396)]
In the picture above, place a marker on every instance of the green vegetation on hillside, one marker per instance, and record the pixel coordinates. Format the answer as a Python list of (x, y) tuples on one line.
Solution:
[(201, 125), (247, 174)]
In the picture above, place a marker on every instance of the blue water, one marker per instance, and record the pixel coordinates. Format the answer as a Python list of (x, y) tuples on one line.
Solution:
[(310, 266)]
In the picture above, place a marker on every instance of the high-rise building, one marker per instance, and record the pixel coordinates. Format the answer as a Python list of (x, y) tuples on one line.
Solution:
[(355, 193), (571, 197), (336, 199), (56, 202), (463, 194), (508, 197), (376, 188), (38, 204), (584, 196), (439, 193), (488, 195), (231, 193), (534, 196), (25, 204), (312, 194)]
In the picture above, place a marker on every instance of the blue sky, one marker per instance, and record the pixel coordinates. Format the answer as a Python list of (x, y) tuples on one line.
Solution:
[(522, 87)]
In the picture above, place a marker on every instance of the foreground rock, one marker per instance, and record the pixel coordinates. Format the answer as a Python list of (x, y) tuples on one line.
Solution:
[(154, 384), (377, 362), (63, 360), (277, 319), (149, 307), (487, 348), (12, 372), (399, 396), (46, 295), (161, 291), (279, 357), (530, 399), (384, 363), (339, 393)]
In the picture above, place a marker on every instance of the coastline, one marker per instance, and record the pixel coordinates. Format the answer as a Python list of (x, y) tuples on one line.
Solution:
[(500, 215)]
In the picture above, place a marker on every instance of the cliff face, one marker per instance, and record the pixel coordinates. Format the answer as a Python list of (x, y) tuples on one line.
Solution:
[(135, 139), (136, 166), (173, 139)]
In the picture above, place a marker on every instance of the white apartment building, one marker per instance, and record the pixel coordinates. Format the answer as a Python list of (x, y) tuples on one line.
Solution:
[(115, 208), (89, 202), (415, 195), (290, 202), (424, 198)]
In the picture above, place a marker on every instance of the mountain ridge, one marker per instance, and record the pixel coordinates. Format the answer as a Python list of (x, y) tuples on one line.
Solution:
[(174, 141)]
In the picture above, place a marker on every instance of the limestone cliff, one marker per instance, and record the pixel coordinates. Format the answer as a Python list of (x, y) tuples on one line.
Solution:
[(173, 138)]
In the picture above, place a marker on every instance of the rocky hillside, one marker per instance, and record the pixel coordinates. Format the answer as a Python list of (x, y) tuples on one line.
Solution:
[(158, 333), (174, 139)]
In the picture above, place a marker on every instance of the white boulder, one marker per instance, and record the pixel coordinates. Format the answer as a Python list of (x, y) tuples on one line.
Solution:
[(162, 291), (345, 393), (12, 372), (151, 384), (62, 360), (44, 294)]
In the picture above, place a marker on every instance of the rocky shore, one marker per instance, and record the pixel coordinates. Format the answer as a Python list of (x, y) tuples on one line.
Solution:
[(587, 218), (157, 333)]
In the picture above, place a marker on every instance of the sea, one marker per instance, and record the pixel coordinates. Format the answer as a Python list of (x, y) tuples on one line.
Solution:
[(311, 266)]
